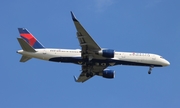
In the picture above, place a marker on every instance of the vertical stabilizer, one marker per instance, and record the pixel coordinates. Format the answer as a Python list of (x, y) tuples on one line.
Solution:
[(29, 38)]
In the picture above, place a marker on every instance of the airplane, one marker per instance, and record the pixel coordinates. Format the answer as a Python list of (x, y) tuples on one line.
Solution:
[(93, 59)]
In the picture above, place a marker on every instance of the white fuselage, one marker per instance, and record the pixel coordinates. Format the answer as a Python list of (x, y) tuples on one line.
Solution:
[(120, 58)]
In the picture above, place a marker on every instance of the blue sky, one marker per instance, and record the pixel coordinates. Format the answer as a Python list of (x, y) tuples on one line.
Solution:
[(151, 26)]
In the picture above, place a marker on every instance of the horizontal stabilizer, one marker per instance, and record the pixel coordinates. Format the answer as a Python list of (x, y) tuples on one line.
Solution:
[(24, 58), (25, 46)]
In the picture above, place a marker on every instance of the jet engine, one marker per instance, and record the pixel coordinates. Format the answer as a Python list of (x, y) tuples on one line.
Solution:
[(108, 74), (107, 53)]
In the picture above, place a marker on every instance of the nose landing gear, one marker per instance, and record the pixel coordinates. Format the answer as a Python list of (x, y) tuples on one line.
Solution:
[(150, 69)]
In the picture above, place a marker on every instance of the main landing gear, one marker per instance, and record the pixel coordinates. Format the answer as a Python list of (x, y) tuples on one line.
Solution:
[(89, 67), (89, 71), (89, 74), (150, 69)]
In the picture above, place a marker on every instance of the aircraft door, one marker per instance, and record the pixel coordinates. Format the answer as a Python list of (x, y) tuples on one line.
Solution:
[(44, 54), (153, 57), (123, 56)]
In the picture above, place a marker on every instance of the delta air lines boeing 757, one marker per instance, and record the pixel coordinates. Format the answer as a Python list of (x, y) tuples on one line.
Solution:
[(93, 59)]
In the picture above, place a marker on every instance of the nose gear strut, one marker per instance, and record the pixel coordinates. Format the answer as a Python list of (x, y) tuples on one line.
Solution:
[(150, 69)]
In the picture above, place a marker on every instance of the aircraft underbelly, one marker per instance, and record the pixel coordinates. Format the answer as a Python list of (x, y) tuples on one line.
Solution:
[(98, 62)]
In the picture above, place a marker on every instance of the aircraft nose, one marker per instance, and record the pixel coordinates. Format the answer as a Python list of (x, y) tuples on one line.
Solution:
[(166, 63)]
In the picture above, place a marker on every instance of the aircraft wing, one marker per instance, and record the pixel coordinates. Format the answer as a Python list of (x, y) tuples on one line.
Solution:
[(86, 42), (96, 70)]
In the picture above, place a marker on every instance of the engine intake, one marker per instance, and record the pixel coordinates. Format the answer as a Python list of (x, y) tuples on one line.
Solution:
[(108, 74), (107, 53)]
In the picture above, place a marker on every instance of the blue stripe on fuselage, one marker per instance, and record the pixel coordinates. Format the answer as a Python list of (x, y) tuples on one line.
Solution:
[(100, 62)]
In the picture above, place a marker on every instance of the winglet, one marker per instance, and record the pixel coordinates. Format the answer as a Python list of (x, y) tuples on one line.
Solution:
[(73, 17), (75, 79)]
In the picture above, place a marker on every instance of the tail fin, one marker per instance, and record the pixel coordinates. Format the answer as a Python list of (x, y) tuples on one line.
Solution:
[(29, 38)]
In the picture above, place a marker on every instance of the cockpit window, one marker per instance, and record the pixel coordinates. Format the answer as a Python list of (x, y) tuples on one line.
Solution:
[(161, 57)]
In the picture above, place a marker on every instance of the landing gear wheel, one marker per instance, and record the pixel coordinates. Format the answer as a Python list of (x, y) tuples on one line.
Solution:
[(88, 63), (150, 69), (90, 74), (87, 74)]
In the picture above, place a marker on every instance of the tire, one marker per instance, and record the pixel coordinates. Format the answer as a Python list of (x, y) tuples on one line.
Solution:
[(87, 75)]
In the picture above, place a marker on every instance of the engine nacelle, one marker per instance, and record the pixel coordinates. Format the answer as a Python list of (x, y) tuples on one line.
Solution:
[(107, 53), (108, 74)]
